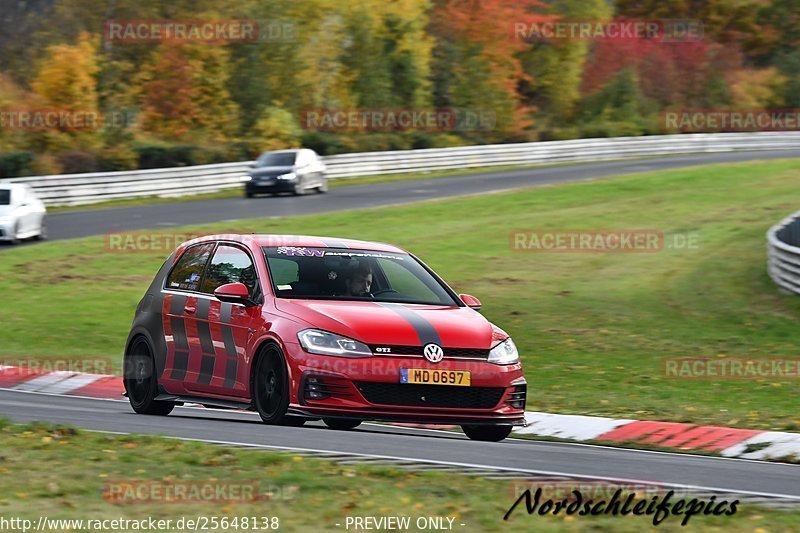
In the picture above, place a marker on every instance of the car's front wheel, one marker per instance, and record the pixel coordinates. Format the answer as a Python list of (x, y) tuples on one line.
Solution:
[(341, 423), (270, 386), (15, 235), (140, 381), (487, 433)]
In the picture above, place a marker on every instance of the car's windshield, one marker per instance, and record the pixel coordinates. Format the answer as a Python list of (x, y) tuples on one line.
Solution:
[(5, 197), (348, 274), (276, 159)]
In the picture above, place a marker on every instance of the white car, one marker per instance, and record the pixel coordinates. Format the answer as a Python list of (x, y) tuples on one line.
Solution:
[(22, 214)]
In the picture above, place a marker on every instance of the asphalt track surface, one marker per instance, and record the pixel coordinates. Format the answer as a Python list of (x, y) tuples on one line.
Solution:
[(84, 223), (517, 455)]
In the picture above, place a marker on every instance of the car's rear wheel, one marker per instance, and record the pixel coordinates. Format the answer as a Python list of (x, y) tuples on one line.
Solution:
[(141, 382), (270, 386), (341, 423), (487, 433), (293, 421)]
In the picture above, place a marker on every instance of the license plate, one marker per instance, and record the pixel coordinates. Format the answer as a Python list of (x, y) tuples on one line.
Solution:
[(435, 377)]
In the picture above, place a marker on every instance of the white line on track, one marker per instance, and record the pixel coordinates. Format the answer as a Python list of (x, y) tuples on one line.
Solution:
[(451, 433), (473, 466)]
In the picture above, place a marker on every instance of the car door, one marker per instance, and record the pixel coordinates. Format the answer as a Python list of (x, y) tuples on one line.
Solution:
[(223, 329), (37, 210), (181, 290), (315, 166), (19, 210)]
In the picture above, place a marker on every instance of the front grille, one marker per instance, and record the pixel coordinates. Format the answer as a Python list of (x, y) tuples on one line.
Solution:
[(430, 395), (471, 353)]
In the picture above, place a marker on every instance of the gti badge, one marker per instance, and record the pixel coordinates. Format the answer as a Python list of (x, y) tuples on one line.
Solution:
[(433, 352)]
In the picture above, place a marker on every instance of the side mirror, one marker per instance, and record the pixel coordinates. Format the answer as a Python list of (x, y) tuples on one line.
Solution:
[(235, 293), (471, 301)]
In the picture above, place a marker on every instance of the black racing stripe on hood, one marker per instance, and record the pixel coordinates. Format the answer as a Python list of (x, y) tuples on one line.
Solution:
[(425, 330)]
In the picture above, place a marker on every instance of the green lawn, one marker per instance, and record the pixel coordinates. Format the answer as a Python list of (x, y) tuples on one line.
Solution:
[(592, 328), (60, 473)]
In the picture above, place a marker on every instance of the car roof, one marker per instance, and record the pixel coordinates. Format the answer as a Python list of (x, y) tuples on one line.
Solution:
[(287, 151), (298, 241)]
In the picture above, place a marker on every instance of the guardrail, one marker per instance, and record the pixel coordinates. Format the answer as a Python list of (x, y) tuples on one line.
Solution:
[(76, 189), (783, 252)]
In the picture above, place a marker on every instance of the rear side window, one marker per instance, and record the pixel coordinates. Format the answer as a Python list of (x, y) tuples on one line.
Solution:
[(230, 265), (189, 269), (5, 197)]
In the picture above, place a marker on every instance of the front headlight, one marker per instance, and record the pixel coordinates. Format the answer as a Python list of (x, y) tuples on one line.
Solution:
[(246, 178), (504, 353), (324, 343), (289, 176)]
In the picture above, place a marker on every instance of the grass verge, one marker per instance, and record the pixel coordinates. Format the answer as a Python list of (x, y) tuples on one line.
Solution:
[(60, 473)]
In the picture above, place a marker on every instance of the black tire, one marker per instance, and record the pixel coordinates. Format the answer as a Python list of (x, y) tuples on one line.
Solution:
[(271, 386), (293, 421), (341, 423), (487, 433), (324, 187), (141, 382), (14, 237), (248, 194)]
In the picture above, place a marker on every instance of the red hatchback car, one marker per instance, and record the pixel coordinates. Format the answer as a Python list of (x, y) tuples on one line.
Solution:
[(302, 328)]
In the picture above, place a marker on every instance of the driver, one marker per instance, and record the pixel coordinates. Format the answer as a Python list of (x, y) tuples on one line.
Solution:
[(359, 281)]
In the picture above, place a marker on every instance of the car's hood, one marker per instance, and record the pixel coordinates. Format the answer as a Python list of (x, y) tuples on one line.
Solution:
[(270, 171), (395, 324)]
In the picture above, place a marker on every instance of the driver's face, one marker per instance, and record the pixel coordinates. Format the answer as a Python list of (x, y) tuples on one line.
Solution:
[(360, 284)]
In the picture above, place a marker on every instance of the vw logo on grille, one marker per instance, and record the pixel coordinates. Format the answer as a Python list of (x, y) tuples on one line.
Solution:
[(433, 352)]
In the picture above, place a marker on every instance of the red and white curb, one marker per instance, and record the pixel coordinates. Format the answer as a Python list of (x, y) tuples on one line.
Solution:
[(728, 442)]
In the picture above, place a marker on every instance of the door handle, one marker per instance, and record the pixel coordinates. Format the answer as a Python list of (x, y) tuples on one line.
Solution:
[(189, 310)]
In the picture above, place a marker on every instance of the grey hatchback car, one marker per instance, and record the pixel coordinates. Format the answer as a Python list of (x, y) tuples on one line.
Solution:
[(294, 171)]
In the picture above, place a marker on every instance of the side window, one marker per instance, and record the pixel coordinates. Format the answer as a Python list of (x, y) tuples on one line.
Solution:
[(189, 269), (230, 265)]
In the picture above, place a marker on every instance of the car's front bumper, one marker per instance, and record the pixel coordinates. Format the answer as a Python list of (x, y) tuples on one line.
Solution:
[(370, 389), (270, 185)]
